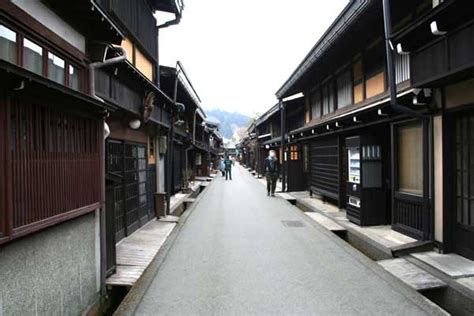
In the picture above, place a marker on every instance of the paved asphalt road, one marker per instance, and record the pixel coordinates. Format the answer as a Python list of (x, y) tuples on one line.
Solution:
[(234, 256)]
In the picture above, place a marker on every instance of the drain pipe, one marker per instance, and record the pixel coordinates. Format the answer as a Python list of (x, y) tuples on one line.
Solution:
[(102, 221), (387, 18), (101, 64)]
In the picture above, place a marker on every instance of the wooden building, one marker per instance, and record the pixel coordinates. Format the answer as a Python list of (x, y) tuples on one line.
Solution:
[(73, 74), (439, 43), (382, 157)]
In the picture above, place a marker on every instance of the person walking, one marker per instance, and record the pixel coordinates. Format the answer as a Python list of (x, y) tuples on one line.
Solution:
[(228, 168), (271, 172), (222, 167)]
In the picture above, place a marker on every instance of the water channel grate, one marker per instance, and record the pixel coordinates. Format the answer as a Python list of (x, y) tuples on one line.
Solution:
[(292, 223)]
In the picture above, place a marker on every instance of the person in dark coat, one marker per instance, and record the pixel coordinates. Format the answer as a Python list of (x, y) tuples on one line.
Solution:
[(271, 172), (228, 168)]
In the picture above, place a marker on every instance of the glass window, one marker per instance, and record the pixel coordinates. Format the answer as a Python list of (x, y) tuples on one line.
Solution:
[(32, 57), (410, 158), (344, 90), (8, 45), (315, 105), (74, 78), (56, 68)]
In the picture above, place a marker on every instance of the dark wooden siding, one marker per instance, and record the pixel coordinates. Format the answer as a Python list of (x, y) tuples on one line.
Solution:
[(443, 57), (55, 160), (325, 167)]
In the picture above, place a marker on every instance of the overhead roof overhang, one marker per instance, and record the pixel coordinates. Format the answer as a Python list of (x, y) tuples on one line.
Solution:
[(448, 15), (267, 115), (341, 25), (88, 18), (35, 85)]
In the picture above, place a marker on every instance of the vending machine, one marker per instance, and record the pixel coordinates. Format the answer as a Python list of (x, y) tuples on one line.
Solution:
[(365, 189)]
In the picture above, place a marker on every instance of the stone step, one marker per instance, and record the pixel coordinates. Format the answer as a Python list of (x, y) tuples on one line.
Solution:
[(412, 275), (326, 222), (451, 264)]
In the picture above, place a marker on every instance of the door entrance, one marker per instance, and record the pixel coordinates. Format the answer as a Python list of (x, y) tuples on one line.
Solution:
[(296, 177), (127, 194), (463, 212), (410, 200)]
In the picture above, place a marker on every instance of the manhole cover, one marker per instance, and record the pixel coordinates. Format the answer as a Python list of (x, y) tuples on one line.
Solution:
[(292, 223)]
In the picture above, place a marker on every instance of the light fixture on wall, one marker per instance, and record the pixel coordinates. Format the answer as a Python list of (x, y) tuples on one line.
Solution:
[(106, 130), (381, 113), (312, 131), (356, 120), (267, 146), (400, 50), (339, 125), (134, 124), (435, 29)]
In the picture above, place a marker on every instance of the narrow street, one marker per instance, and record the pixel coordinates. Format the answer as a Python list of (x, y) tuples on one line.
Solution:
[(234, 255)]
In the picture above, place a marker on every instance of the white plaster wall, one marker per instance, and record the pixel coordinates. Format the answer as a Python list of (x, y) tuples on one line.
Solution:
[(52, 21), (438, 177)]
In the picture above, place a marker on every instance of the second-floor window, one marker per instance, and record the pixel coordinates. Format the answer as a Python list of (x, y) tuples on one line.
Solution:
[(37, 59), (344, 89), (315, 104), (8, 45), (136, 57)]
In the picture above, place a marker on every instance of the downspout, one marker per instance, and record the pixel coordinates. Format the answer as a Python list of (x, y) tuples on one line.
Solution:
[(387, 18), (177, 19), (101, 64), (103, 246)]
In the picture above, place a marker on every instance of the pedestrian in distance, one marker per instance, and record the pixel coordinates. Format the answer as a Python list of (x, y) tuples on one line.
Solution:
[(271, 172), (228, 168), (222, 167)]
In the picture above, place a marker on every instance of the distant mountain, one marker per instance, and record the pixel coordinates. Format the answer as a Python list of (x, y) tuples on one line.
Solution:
[(229, 121)]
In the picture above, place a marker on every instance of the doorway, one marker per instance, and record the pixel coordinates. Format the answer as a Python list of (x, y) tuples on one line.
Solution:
[(462, 214)]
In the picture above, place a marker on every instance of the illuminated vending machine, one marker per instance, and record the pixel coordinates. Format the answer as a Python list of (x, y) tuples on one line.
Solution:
[(366, 195)]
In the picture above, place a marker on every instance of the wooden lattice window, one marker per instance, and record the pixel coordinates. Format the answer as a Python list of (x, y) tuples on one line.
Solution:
[(55, 160), (294, 155)]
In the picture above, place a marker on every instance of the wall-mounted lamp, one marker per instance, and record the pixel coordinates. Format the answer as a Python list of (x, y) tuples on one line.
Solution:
[(302, 134), (400, 50), (106, 130), (381, 113), (339, 125), (356, 120), (267, 146), (328, 128), (134, 124), (312, 131), (435, 29)]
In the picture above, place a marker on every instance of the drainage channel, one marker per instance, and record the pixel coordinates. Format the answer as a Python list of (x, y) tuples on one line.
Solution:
[(452, 297)]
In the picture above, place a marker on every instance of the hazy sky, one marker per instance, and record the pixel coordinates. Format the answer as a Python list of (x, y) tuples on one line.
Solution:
[(239, 53)]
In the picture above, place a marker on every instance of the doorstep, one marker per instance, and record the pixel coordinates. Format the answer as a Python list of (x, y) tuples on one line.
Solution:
[(381, 237), (450, 264), (135, 252)]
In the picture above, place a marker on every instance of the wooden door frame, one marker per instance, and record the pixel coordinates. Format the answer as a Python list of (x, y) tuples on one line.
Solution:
[(425, 198), (449, 182)]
